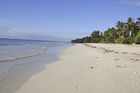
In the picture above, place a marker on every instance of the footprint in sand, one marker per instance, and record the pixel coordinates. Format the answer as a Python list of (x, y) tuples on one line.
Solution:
[(121, 66), (131, 59), (135, 72), (137, 60), (118, 66), (96, 57), (124, 52), (116, 59), (116, 52), (91, 67), (78, 88)]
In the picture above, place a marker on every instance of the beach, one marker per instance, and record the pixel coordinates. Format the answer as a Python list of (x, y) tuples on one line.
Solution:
[(89, 68)]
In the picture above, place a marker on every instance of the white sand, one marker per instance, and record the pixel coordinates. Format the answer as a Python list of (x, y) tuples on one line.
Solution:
[(90, 68)]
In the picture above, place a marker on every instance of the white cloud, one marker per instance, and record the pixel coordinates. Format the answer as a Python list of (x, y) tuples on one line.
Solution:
[(7, 32), (16, 33), (138, 3), (131, 2)]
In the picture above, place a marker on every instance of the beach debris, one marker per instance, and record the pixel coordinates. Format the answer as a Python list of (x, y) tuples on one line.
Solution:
[(104, 49), (107, 50), (90, 46)]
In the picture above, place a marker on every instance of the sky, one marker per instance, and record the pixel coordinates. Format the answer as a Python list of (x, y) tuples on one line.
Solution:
[(62, 19)]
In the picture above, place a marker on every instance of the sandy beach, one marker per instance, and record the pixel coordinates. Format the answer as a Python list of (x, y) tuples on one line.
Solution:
[(90, 68)]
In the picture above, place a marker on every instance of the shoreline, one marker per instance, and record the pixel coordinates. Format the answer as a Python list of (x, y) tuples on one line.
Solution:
[(13, 74), (98, 68)]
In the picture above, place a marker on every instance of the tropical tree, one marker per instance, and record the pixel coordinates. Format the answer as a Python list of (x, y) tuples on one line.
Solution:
[(120, 28), (95, 36), (87, 39), (110, 35), (130, 27), (124, 32), (138, 23)]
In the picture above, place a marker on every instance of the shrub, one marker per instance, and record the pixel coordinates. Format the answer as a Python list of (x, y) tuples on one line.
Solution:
[(127, 40), (137, 38), (95, 40), (123, 40)]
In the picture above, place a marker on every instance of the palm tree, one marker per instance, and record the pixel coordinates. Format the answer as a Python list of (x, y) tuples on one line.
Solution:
[(114, 33), (95, 36), (130, 26), (125, 32), (138, 23), (121, 27)]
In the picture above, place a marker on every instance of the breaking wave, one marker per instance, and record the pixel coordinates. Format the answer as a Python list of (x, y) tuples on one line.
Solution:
[(13, 58)]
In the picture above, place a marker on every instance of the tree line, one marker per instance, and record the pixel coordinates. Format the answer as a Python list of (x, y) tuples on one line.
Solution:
[(123, 33)]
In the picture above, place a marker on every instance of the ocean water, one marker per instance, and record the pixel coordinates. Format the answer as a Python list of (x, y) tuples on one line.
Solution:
[(20, 59), (14, 49)]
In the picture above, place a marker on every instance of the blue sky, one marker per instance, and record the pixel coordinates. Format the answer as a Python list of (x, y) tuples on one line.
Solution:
[(66, 19)]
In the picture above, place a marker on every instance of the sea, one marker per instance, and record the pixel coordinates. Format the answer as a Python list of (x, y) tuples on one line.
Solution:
[(20, 59)]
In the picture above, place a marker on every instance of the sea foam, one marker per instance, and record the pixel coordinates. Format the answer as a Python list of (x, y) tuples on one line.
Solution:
[(20, 52)]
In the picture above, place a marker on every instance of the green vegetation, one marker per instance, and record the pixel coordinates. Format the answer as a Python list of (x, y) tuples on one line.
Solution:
[(124, 33), (137, 38)]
